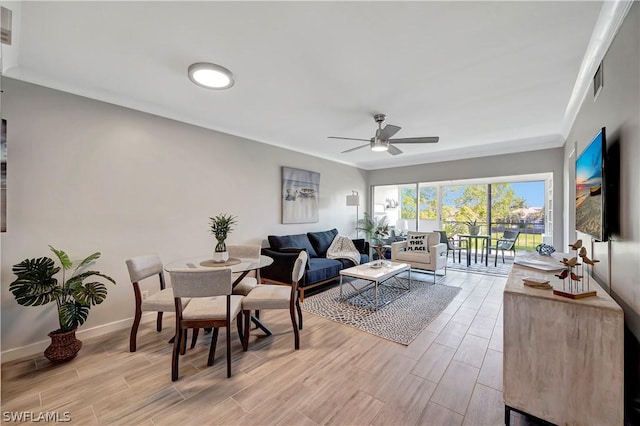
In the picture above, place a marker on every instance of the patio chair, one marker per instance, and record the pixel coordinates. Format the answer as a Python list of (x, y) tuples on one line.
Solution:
[(453, 245), (506, 242)]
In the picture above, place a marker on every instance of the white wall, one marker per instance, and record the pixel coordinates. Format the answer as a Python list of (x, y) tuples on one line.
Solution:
[(85, 175), (524, 163), (617, 108)]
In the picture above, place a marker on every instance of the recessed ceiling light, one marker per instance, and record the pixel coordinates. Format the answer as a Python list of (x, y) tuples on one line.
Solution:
[(210, 76)]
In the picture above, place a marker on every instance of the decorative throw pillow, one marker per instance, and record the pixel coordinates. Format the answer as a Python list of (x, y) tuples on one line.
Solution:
[(417, 242)]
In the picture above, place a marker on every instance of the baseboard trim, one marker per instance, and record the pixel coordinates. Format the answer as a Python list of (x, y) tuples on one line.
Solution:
[(39, 347)]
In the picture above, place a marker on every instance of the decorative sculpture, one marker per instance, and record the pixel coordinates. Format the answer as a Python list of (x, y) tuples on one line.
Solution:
[(576, 286)]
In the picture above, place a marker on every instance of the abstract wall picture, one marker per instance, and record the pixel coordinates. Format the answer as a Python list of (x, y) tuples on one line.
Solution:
[(300, 196)]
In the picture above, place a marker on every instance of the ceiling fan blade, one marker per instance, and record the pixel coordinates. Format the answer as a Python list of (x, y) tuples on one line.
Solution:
[(353, 149), (347, 139), (393, 150), (430, 139), (388, 131)]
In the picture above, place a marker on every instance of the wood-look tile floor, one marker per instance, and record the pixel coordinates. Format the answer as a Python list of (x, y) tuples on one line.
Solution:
[(451, 374)]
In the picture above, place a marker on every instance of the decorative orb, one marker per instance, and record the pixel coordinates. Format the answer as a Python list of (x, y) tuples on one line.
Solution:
[(545, 249)]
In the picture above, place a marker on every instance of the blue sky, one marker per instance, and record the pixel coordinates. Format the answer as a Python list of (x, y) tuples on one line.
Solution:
[(532, 192)]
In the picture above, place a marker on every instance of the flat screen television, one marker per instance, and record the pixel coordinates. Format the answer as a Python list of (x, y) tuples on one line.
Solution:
[(590, 188)]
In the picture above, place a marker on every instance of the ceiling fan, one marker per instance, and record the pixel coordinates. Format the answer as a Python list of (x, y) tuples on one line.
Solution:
[(382, 140)]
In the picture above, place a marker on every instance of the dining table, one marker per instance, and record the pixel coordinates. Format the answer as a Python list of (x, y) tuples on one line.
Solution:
[(238, 265), (486, 240)]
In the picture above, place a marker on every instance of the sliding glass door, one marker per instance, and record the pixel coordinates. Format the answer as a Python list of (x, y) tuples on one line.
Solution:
[(464, 205), (495, 206)]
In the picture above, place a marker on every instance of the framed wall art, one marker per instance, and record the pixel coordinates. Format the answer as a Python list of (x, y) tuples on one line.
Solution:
[(3, 177), (300, 196)]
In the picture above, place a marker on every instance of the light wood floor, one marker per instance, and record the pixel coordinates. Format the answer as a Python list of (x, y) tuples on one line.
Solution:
[(451, 374)]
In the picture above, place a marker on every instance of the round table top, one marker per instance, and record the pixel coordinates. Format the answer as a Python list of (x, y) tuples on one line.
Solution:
[(201, 262)]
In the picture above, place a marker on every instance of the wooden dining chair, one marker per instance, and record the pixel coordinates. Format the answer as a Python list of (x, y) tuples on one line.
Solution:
[(273, 296), (211, 306), (159, 300), (250, 281)]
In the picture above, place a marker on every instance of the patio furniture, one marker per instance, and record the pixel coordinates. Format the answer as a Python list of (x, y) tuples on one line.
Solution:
[(507, 242), (453, 245)]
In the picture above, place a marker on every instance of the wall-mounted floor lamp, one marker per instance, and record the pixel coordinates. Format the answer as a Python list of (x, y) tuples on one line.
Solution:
[(354, 200)]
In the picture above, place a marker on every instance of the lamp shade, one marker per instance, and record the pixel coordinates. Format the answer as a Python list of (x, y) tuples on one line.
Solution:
[(353, 200)]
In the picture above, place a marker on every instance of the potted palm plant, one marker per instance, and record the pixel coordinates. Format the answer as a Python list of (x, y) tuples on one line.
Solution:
[(221, 225), (36, 284), (376, 231)]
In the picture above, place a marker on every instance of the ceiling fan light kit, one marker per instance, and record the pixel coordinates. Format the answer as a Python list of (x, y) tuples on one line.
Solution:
[(378, 145), (382, 140), (210, 76)]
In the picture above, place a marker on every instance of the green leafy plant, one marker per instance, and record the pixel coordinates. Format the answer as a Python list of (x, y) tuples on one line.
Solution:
[(473, 225), (375, 230), (37, 285), (221, 225)]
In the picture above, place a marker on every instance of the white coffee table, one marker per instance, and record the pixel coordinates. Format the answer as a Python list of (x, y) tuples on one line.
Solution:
[(374, 275)]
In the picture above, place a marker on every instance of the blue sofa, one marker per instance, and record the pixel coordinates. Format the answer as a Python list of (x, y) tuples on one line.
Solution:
[(284, 250)]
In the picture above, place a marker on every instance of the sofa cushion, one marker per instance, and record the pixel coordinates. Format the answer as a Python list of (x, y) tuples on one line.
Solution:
[(413, 256), (346, 263), (322, 240), (321, 269), (417, 242), (292, 241), (360, 244)]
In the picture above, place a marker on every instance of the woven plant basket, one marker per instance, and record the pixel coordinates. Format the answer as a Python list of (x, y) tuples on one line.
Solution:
[(64, 346)]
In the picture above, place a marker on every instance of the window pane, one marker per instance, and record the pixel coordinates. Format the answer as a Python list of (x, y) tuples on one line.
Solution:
[(519, 206), (463, 205), (427, 208), (408, 208)]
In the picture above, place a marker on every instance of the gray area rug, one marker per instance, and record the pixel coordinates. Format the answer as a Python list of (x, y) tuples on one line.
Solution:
[(404, 316), (502, 269)]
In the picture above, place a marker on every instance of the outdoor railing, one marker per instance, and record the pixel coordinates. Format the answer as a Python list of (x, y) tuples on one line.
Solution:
[(530, 232)]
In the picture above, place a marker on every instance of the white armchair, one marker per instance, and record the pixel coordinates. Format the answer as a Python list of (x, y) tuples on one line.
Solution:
[(421, 250)]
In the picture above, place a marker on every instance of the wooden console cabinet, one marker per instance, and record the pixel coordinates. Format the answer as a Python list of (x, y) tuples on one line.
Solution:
[(563, 358)]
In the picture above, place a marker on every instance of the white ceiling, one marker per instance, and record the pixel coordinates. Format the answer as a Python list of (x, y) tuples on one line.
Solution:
[(487, 77)]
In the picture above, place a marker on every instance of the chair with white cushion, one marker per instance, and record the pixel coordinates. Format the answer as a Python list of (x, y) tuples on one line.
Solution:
[(271, 296), (250, 281), (421, 250), (141, 268), (211, 306)]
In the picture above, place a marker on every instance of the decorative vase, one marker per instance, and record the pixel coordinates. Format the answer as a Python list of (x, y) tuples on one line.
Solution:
[(380, 251), (220, 254), (64, 346), (474, 229)]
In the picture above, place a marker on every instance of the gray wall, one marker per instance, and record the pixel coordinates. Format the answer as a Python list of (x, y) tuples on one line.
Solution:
[(85, 175), (524, 163), (617, 108)]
